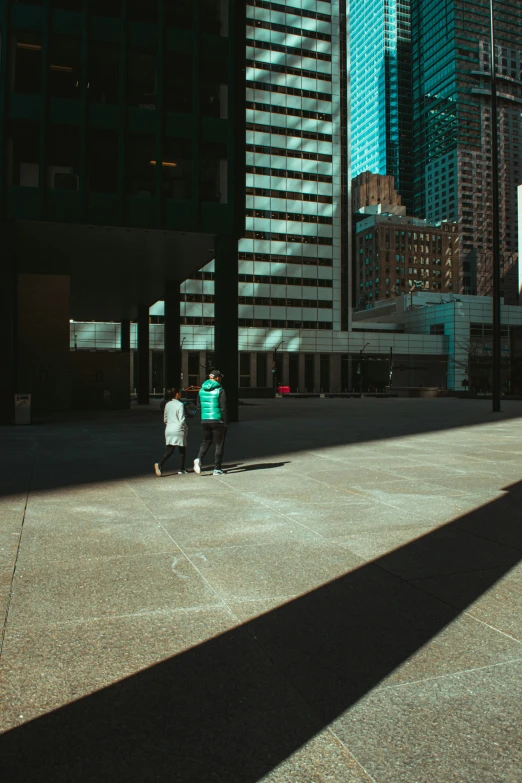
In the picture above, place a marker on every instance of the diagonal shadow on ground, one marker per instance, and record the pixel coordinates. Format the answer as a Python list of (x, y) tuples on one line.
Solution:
[(234, 707)]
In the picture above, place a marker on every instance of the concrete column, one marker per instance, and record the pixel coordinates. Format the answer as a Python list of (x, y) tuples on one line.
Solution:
[(125, 336), (143, 354), (253, 369), (7, 337), (225, 314), (172, 355), (317, 372), (301, 371), (335, 372), (202, 366)]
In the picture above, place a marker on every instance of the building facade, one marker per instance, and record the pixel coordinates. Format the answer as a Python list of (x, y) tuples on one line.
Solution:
[(293, 260), (465, 324), (121, 146), (381, 91), (452, 128), (396, 254)]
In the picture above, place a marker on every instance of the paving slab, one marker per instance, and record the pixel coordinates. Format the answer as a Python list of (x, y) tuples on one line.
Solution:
[(73, 590), (463, 727), (499, 604)]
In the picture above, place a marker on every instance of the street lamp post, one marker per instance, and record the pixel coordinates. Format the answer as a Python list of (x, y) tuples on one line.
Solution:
[(274, 366), (495, 220)]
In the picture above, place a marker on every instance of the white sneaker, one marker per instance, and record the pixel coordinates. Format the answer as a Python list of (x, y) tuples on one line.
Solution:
[(197, 466), (218, 472), (157, 469)]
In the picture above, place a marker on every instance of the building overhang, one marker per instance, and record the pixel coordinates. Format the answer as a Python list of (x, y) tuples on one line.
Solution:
[(112, 269)]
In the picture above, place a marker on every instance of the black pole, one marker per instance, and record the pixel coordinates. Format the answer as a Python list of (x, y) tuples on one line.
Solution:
[(495, 221), (143, 354), (125, 336), (391, 365), (226, 319), (172, 329)]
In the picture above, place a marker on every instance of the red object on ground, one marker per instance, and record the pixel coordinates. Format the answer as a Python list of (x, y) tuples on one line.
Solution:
[(283, 389)]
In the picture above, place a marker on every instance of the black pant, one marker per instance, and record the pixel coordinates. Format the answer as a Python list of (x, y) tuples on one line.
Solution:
[(169, 451), (211, 430)]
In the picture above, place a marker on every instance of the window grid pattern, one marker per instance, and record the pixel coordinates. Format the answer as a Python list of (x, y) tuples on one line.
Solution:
[(293, 144)]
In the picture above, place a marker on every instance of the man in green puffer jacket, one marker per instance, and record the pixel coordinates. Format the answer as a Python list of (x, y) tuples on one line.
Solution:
[(212, 404)]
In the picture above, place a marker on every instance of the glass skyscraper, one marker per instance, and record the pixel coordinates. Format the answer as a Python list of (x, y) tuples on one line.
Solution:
[(380, 91), (452, 127)]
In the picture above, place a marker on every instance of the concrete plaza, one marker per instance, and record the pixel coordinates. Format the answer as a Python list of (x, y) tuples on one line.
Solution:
[(343, 606)]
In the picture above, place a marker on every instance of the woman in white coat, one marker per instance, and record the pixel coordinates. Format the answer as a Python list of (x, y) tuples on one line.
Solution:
[(176, 429)]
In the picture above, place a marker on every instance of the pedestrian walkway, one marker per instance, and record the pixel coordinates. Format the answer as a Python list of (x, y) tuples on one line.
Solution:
[(342, 606)]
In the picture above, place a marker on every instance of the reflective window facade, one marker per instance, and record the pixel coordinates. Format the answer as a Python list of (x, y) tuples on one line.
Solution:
[(292, 258), (452, 128), (381, 91), (132, 106)]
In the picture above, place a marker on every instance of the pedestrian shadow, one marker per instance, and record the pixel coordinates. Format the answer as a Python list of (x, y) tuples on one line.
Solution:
[(239, 467), (236, 706), (233, 469)]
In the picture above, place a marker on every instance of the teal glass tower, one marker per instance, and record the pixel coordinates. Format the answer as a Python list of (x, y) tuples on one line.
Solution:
[(451, 60), (381, 91)]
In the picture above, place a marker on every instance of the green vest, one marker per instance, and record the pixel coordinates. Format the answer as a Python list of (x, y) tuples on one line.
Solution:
[(209, 401)]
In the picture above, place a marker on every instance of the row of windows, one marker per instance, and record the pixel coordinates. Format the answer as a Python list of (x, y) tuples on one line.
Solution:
[(308, 282), (290, 70), (263, 323), (288, 111), (291, 195), (65, 150), (279, 131), (304, 175), (276, 258), (486, 330), (303, 239), (287, 9), (70, 69), (293, 50), (277, 323), (177, 13), (288, 153), (268, 301), (297, 91), (285, 28), (269, 214)]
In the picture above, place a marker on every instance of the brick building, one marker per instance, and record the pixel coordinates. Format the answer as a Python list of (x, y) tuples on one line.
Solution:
[(395, 254), (370, 189)]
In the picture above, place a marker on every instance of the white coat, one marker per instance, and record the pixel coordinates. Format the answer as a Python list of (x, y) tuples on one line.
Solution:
[(176, 428)]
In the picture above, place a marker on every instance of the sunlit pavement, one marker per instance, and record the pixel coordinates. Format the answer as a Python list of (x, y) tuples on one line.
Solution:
[(343, 605)]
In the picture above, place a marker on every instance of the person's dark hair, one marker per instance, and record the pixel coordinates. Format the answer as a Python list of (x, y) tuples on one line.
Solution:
[(171, 393)]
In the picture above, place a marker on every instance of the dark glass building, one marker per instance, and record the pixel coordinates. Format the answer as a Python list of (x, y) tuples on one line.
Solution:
[(121, 162), (452, 128)]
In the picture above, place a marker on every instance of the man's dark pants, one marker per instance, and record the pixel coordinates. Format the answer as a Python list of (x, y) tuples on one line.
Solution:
[(213, 430)]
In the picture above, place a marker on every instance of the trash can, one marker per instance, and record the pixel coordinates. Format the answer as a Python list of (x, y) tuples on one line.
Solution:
[(22, 408)]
